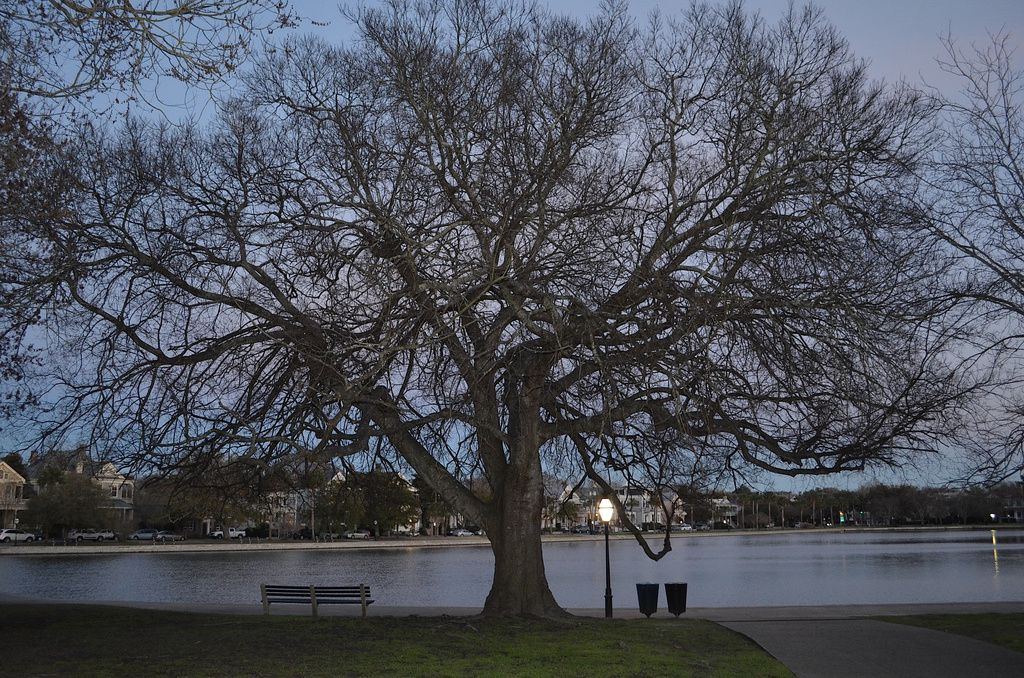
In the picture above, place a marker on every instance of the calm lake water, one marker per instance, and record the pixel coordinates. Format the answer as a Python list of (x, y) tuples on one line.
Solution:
[(785, 568)]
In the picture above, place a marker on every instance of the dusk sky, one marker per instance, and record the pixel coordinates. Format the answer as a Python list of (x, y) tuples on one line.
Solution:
[(898, 37)]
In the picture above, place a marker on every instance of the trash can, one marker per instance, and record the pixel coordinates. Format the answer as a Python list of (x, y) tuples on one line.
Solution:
[(675, 597), (647, 595)]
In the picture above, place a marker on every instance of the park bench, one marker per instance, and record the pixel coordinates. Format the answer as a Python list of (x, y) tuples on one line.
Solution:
[(315, 595)]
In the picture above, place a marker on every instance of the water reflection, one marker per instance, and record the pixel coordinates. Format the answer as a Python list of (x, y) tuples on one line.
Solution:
[(734, 570)]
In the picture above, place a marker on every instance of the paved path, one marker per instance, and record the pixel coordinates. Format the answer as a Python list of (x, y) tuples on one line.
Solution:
[(843, 642), (863, 648), (814, 642)]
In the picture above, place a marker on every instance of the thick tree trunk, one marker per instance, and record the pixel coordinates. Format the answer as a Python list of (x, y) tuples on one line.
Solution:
[(512, 519), (520, 585)]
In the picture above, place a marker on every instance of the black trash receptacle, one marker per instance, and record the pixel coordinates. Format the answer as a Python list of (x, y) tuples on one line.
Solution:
[(647, 595), (675, 596)]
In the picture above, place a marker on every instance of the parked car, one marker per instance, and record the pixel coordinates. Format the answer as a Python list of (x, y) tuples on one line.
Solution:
[(233, 532), (702, 527), (356, 534), (108, 534), (685, 527), (580, 529), (38, 535), (16, 536), (85, 535), (169, 535), (144, 534), (304, 533), (459, 532)]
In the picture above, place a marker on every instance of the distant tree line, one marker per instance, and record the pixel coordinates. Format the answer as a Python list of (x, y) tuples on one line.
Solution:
[(375, 500), (877, 505), (234, 494)]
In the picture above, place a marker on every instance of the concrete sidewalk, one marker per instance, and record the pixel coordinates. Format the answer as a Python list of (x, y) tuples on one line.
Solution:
[(863, 648), (813, 642), (843, 642)]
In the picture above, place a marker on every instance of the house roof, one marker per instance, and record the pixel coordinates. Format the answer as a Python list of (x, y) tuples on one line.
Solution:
[(8, 474), (76, 460)]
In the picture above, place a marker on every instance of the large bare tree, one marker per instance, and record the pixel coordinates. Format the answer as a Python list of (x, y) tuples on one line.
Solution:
[(482, 239)]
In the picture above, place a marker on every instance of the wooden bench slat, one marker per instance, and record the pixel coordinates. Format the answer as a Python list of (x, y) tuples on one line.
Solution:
[(315, 595)]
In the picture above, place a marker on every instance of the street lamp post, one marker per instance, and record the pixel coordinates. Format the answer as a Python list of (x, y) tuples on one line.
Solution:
[(605, 509)]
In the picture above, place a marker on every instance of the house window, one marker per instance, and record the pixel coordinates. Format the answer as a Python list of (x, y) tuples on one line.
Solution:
[(126, 492), (113, 491)]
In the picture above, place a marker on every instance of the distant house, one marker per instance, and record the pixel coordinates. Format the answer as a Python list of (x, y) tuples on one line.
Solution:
[(12, 494), (642, 506), (724, 510), (118, 487), (1014, 508), (283, 510)]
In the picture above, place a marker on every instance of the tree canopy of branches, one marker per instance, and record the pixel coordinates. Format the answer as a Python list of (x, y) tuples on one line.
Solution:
[(69, 49), (981, 183), (484, 239)]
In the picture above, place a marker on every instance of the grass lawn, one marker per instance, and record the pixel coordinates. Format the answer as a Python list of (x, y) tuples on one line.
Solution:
[(1006, 630), (94, 640)]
